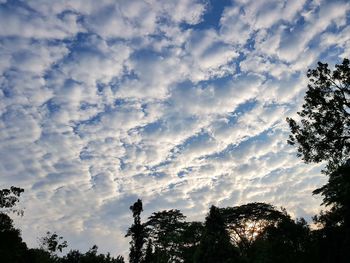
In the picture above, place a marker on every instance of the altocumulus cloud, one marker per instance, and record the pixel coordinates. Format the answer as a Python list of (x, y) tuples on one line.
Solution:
[(181, 103)]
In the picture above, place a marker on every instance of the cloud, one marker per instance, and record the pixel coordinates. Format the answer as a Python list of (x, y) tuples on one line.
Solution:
[(21, 22), (103, 103)]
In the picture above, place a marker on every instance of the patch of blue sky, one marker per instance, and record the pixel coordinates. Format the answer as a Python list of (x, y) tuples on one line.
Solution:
[(52, 106), (85, 155), (90, 121), (64, 14), (16, 6), (211, 18), (7, 91), (331, 55), (196, 141), (117, 82), (83, 48), (122, 164), (239, 147), (158, 166), (274, 175), (153, 127), (244, 107), (221, 81), (120, 102), (184, 172), (157, 175), (145, 55)]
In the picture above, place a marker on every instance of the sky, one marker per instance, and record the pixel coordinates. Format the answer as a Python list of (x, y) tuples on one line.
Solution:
[(181, 103)]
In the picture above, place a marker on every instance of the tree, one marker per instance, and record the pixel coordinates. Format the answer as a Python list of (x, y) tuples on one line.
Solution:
[(9, 198), (323, 134), (12, 248), (52, 243), (246, 222), (149, 252), (287, 241), (336, 195), (215, 245), (334, 235), (91, 256), (36, 255), (165, 229), (138, 234), (190, 240)]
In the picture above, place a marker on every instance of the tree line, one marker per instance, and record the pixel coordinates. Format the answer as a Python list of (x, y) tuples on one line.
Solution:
[(249, 233)]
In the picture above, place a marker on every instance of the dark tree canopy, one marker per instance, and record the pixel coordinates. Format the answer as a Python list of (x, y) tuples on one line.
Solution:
[(91, 256), (9, 198), (138, 234), (246, 222), (288, 241), (336, 195), (215, 245), (12, 248), (323, 134), (165, 229)]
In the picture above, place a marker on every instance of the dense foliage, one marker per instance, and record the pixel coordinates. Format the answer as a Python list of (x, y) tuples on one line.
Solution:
[(250, 233), (323, 133)]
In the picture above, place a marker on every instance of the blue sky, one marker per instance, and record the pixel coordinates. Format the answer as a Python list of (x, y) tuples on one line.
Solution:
[(180, 103)]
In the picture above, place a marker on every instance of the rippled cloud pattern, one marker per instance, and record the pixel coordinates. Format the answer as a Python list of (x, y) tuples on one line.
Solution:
[(181, 103)]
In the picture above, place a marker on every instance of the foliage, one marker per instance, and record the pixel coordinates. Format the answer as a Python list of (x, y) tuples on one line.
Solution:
[(91, 256), (190, 240), (52, 243), (138, 234), (215, 245), (287, 237), (323, 133), (246, 222), (336, 194), (9, 198), (165, 230), (12, 248)]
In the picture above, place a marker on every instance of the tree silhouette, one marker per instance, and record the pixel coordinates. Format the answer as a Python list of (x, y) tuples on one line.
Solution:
[(52, 243), (190, 240), (334, 236), (215, 245), (246, 222), (166, 228), (149, 256), (12, 248), (323, 134), (287, 241), (336, 195), (9, 198), (138, 234), (91, 256)]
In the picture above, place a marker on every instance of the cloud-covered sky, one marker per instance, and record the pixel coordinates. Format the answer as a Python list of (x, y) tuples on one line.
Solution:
[(181, 103)]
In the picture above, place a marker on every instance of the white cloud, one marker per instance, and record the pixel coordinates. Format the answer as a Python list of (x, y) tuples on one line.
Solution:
[(105, 102), (20, 22)]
